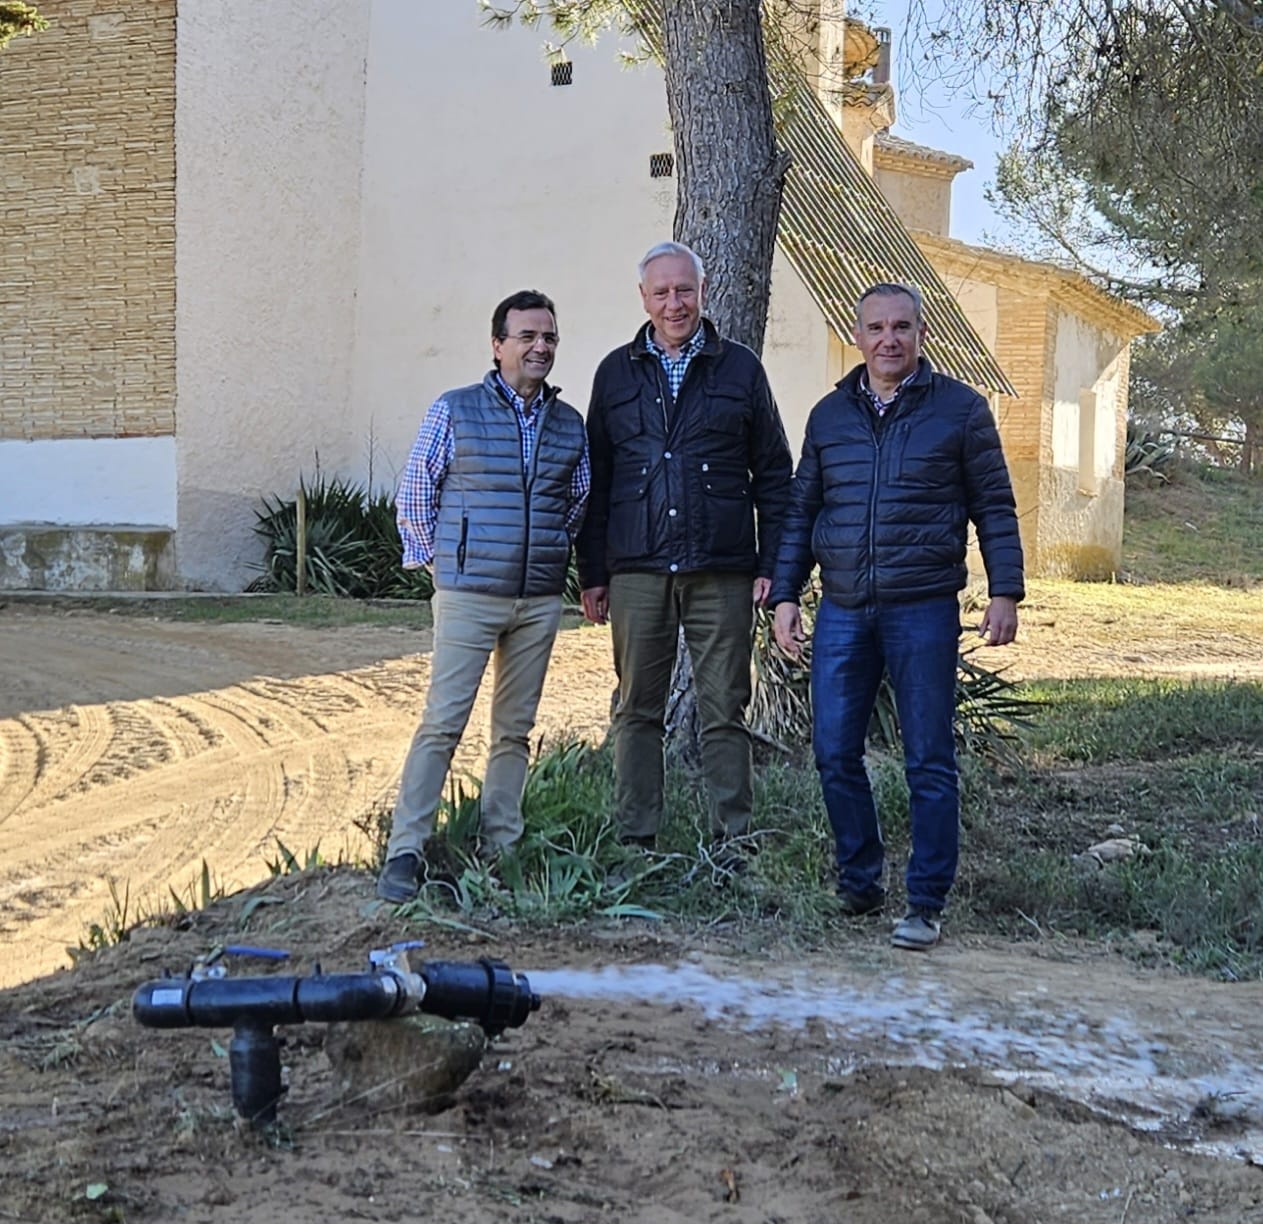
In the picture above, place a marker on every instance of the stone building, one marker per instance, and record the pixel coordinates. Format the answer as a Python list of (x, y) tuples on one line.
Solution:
[(236, 253)]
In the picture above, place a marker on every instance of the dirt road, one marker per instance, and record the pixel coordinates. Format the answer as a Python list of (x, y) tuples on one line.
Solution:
[(665, 1079), (133, 750)]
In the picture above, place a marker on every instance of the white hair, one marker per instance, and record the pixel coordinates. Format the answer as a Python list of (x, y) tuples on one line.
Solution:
[(670, 248)]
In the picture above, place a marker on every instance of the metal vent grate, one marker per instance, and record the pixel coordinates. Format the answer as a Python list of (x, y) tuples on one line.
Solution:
[(661, 165), (563, 73)]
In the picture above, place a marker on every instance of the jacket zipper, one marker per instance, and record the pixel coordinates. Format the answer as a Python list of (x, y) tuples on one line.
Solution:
[(528, 482)]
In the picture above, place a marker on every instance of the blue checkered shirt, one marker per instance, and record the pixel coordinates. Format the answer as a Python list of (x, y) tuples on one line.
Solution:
[(677, 367), (881, 406), (417, 501)]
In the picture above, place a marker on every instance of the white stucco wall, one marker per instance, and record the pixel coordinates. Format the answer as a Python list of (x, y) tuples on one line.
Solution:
[(796, 350), (482, 178), (355, 194), (119, 482), (269, 127), (486, 178), (1086, 361)]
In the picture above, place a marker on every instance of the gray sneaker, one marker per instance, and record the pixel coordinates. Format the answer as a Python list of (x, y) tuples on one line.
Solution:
[(399, 881), (917, 930)]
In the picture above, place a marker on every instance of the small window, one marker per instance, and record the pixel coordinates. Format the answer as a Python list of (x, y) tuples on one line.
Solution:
[(563, 73), (1089, 483), (661, 165)]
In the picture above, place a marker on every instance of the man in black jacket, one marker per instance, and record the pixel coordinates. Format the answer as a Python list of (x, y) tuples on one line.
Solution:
[(690, 479), (896, 462)]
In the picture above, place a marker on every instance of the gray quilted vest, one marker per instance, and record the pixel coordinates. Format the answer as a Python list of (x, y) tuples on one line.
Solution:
[(502, 530)]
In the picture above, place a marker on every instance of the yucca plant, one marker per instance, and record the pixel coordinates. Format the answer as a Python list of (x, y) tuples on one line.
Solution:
[(352, 548)]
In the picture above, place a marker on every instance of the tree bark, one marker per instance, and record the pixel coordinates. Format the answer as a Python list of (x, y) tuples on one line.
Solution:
[(730, 178), (729, 172)]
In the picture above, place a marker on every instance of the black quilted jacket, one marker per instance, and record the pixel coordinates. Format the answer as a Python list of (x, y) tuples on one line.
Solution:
[(700, 484), (884, 506)]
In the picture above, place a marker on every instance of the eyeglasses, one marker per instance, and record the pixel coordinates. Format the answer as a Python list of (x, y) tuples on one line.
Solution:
[(529, 337)]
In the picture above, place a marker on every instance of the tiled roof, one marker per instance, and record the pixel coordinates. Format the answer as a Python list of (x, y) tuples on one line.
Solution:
[(886, 143), (842, 235)]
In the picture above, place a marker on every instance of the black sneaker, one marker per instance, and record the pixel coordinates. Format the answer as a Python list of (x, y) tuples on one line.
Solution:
[(399, 881), (647, 842), (860, 904)]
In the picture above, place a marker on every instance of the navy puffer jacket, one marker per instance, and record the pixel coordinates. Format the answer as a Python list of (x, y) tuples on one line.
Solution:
[(884, 506)]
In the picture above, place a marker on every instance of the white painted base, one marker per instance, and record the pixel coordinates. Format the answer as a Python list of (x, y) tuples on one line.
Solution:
[(88, 481)]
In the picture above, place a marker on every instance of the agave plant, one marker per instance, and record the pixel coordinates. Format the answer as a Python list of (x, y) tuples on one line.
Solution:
[(1146, 456)]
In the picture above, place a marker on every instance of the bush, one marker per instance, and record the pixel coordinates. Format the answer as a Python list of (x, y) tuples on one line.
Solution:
[(353, 544)]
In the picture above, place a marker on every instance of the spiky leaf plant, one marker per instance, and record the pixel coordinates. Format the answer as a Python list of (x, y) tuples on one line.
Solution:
[(989, 712)]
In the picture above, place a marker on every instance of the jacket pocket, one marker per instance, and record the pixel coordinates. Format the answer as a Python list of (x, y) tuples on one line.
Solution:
[(728, 511), (627, 531), (923, 458), (725, 423), (623, 419)]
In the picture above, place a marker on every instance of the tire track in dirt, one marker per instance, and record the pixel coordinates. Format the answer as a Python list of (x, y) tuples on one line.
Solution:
[(201, 753)]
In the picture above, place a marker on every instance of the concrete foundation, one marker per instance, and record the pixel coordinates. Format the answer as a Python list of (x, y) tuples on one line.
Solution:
[(44, 557)]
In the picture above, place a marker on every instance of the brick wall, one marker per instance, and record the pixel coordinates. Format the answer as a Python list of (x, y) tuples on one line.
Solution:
[(1024, 347), (87, 242)]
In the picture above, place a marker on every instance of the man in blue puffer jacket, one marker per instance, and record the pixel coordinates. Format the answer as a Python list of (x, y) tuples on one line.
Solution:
[(896, 463)]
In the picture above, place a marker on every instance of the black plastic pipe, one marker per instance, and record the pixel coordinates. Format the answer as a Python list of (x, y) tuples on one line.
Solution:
[(221, 1002), (486, 991)]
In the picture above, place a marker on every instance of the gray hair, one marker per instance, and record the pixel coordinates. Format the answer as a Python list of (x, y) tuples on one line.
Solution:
[(670, 248), (892, 289)]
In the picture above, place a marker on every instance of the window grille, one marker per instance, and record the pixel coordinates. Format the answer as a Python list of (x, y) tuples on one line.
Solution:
[(563, 73), (661, 165)]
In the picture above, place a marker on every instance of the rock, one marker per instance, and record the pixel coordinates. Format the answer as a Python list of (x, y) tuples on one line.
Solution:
[(1117, 849), (416, 1061), (1014, 1103)]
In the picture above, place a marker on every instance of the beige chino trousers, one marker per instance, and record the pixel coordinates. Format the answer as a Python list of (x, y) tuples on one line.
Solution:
[(469, 629)]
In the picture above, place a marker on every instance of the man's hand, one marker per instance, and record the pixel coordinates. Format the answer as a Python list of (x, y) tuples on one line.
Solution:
[(999, 622), (762, 589), (596, 604), (788, 627)]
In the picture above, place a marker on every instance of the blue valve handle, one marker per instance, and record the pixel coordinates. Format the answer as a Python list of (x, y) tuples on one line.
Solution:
[(276, 954)]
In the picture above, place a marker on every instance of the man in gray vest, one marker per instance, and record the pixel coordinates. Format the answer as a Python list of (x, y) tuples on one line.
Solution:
[(493, 495)]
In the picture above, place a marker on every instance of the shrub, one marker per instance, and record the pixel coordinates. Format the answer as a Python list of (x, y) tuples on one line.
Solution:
[(353, 545)]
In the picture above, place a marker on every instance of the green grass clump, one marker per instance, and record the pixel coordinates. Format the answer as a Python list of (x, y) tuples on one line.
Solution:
[(1202, 526), (1142, 720), (1175, 765)]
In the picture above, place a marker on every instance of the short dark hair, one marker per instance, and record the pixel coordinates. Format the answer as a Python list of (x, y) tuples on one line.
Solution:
[(523, 299)]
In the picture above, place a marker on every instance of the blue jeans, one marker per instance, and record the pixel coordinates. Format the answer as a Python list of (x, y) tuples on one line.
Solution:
[(918, 644)]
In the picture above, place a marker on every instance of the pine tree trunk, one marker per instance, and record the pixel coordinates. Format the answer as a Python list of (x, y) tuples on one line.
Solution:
[(730, 177), (1249, 446), (729, 171)]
